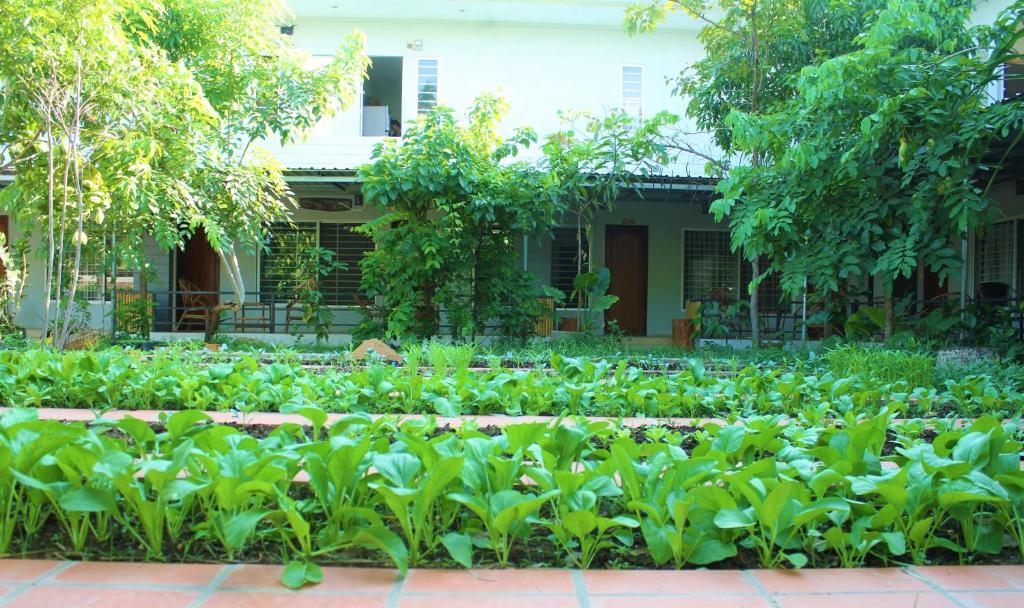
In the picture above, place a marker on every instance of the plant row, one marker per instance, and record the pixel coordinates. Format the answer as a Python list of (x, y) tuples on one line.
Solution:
[(754, 490), (124, 380)]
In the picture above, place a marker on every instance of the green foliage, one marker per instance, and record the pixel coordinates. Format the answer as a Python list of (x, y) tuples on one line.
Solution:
[(115, 379), (447, 238), (879, 151), (315, 263), (793, 494), (128, 119), (885, 365), (591, 288), (753, 51)]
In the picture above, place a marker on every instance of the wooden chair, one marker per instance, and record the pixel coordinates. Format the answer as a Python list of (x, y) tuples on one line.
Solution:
[(294, 312), (196, 307), (295, 309), (252, 315)]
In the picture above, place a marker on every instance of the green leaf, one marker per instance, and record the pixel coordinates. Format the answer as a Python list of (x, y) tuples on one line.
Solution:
[(799, 560), (180, 422), (460, 547), (241, 526), (379, 537), (734, 518), (298, 574), (444, 407), (711, 550), (89, 500)]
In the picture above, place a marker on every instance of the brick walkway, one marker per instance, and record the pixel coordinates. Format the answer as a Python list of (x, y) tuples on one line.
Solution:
[(40, 583)]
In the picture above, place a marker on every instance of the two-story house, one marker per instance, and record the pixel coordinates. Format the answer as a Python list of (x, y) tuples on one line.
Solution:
[(663, 247)]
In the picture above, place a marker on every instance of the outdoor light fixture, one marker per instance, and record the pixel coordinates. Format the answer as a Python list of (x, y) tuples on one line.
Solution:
[(416, 45), (288, 30)]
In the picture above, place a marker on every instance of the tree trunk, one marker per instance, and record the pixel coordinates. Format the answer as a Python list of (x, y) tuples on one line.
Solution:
[(890, 315), (60, 340), (227, 255), (826, 331), (755, 317), (425, 315), (50, 249)]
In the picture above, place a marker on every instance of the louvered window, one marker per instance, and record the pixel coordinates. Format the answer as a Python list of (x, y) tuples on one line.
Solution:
[(426, 85), (341, 286), (280, 261), (633, 91), (565, 260)]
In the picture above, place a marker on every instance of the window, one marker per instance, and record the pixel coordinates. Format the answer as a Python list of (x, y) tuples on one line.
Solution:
[(565, 261), (995, 254), (633, 91), (769, 292), (95, 283), (279, 262), (382, 98), (1020, 256), (426, 85), (341, 286), (711, 271)]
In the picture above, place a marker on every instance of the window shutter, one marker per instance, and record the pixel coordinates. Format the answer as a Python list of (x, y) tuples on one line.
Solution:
[(426, 85)]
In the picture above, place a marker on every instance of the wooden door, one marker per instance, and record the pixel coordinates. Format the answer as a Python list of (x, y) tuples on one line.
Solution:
[(625, 255), (199, 264)]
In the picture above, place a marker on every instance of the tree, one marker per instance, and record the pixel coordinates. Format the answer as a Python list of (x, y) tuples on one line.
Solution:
[(753, 51), (124, 119), (453, 206), (875, 162), (593, 160)]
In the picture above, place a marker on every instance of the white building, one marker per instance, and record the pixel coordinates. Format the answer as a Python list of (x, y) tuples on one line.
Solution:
[(544, 56)]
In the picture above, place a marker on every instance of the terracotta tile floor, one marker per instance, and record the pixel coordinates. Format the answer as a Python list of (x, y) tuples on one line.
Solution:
[(40, 583)]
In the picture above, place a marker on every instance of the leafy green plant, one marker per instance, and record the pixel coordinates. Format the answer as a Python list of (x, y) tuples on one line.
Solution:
[(591, 288), (885, 365), (314, 264)]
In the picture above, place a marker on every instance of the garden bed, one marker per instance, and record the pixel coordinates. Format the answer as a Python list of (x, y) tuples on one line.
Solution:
[(350, 492), (117, 380)]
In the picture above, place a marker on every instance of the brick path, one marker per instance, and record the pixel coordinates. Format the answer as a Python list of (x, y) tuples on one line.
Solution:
[(41, 583)]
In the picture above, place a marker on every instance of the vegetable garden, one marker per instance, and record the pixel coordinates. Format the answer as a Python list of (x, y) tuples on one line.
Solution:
[(736, 465)]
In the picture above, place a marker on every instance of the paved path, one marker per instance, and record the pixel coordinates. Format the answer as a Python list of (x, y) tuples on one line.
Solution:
[(42, 583)]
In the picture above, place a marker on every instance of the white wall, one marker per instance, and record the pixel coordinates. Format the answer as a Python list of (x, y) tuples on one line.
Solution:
[(539, 69)]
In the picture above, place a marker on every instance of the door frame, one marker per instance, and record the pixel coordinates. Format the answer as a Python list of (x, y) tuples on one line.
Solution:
[(644, 231)]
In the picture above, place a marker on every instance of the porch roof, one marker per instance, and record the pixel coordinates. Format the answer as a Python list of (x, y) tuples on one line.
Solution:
[(659, 188)]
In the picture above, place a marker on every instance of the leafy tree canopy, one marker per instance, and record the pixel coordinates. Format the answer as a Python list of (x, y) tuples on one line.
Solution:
[(174, 95), (455, 200), (874, 165)]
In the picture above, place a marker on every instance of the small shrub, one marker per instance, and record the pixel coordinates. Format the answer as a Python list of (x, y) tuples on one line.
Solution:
[(885, 365)]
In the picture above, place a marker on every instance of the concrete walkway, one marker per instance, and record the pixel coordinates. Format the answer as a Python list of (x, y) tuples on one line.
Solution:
[(42, 583)]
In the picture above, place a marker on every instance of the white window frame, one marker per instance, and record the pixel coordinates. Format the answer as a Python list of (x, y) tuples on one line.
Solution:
[(316, 223), (972, 267), (628, 106), (416, 85)]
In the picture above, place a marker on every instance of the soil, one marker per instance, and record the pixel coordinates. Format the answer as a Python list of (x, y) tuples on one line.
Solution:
[(538, 551)]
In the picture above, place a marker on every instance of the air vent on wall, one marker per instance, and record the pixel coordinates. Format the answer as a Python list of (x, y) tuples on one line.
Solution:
[(352, 202)]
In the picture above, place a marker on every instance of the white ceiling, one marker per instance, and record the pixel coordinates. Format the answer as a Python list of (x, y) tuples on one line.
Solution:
[(600, 13)]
